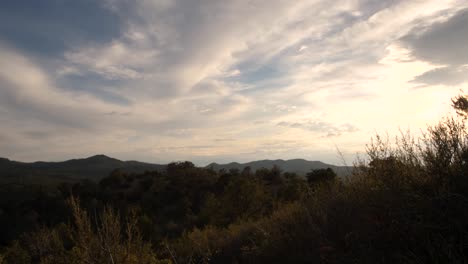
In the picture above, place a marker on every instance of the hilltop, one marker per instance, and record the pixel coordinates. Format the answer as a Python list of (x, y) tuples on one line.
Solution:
[(298, 166), (94, 167), (98, 166)]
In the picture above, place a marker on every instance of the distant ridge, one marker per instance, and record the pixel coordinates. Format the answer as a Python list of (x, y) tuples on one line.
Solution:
[(94, 167), (99, 166), (299, 166)]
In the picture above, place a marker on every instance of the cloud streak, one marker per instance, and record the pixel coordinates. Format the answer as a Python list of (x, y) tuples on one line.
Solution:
[(152, 80), (324, 128)]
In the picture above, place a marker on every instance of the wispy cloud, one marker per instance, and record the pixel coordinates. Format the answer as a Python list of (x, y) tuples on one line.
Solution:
[(323, 128), (152, 80)]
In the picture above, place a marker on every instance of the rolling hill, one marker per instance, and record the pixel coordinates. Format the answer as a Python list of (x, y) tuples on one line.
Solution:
[(95, 168), (99, 166), (299, 166)]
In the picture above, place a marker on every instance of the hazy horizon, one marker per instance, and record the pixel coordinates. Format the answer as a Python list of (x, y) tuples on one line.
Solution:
[(196, 164), (216, 81)]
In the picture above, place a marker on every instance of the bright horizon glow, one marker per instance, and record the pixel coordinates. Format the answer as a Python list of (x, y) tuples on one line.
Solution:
[(210, 81)]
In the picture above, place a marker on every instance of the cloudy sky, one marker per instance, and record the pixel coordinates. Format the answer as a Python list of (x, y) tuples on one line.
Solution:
[(210, 80)]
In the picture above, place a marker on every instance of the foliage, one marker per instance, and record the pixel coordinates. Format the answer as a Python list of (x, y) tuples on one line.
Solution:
[(406, 203), (321, 175), (103, 239)]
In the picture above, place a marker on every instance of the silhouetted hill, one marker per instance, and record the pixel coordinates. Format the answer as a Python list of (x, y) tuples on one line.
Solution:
[(299, 166), (99, 166), (95, 167)]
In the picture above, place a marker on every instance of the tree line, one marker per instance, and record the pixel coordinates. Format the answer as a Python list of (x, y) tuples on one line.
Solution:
[(406, 202)]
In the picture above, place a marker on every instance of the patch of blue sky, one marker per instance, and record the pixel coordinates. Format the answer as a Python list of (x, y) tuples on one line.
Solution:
[(49, 27), (260, 74)]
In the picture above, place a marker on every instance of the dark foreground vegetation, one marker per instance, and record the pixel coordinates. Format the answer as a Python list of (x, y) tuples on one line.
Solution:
[(407, 202)]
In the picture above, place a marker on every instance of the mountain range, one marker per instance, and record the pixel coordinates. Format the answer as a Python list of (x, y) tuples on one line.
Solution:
[(99, 166), (95, 168), (298, 166)]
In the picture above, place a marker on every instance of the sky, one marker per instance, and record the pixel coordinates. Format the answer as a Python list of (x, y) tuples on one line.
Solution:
[(220, 81)]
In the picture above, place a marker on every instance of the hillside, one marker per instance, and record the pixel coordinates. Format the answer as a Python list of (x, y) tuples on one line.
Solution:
[(95, 167), (99, 166), (408, 206), (299, 166)]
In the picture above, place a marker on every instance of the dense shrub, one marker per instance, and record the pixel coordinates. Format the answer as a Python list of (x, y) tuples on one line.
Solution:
[(406, 202)]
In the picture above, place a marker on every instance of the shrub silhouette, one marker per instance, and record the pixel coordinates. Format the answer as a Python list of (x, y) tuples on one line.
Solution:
[(406, 202)]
